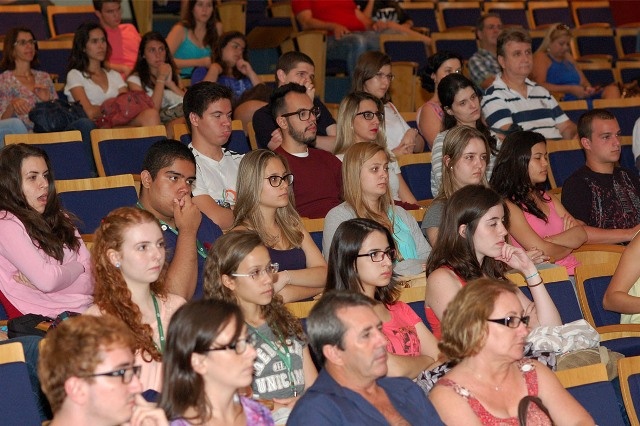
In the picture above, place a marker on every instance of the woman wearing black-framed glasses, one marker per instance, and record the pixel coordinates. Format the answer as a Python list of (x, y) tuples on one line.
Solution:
[(209, 359), (265, 204), (361, 259), (484, 331)]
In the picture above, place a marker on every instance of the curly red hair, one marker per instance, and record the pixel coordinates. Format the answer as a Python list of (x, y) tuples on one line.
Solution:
[(111, 293)]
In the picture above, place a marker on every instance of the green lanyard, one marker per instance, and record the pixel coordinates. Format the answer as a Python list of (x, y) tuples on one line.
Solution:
[(159, 320), (202, 252), (284, 355)]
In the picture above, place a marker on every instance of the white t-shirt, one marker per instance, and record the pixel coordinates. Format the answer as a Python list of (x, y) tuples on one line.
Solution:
[(94, 93), (217, 178), (169, 97), (394, 126)]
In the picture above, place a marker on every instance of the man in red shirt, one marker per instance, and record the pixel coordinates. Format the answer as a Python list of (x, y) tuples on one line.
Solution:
[(349, 29)]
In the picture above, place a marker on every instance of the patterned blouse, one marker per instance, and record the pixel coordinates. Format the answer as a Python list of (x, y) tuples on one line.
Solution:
[(10, 88)]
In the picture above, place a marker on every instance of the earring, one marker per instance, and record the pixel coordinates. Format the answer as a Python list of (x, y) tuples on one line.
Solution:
[(117, 265)]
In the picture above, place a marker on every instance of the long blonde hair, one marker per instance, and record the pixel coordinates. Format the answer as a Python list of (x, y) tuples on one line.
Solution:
[(247, 210), (553, 33), (354, 159)]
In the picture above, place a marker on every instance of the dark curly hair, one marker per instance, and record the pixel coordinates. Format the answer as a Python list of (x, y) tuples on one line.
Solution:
[(50, 231), (142, 66), (434, 62), (510, 176)]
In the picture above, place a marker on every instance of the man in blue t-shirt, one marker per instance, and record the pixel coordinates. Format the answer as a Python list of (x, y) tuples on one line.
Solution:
[(168, 174)]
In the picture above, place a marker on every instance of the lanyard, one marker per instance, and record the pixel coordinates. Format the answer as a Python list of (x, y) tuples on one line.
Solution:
[(284, 355), (160, 329), (202, 252)]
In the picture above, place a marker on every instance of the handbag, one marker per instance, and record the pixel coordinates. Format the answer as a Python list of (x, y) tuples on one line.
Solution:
[(55, 115), (123, 108), (28, 325)]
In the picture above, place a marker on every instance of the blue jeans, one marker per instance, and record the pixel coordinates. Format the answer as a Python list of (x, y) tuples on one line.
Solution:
[(351, 46), (11, 126)]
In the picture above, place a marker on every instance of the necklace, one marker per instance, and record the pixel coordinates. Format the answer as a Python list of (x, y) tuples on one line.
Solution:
[(159, 321)]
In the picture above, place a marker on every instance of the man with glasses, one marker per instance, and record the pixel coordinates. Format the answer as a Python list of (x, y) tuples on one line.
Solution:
[(351, 389), (295, 67), (483, 65), (167, 178), (207, 109), (318, 174), (87, 372)]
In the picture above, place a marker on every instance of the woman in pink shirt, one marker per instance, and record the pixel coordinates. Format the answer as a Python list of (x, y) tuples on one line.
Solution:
[(361, 259), (537, 218), (44, 265)]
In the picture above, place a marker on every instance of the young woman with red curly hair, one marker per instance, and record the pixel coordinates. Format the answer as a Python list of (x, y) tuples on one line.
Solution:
[(128, 261)]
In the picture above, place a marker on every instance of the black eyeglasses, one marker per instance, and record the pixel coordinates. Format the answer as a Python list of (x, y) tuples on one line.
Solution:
[(512, 322), (240, 345), (269, 270), (304, 114), (368, 115), (125, 374), (378, 255), (276, 180)]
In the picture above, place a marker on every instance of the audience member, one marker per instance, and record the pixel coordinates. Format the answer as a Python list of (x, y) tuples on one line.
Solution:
[(346, 335), (513, 102), (622, 294), (361, 260), (156, 73), (90, 83), (361, 119), (460, 100), (373, 75), (537, 219), (22, 87), (209, 358), (240, 270), (350, 31), (555, 69), (295, 67), (128, 265), (387, 16), (367, 195), (483, 65), (266, 206), (124, 39), (231, 67), (191, 41), (296, 116), (167, 177), (430, 115), (464, 154), (207, 108), (44, 265), (471, 245), (484, 330), (602, 194), (89, 373)]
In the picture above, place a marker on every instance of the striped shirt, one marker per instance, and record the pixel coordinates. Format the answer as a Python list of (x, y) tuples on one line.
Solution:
[(538, 112)]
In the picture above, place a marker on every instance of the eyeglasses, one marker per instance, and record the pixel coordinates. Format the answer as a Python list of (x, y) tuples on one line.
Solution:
[(24, 43), (378, 255), (304, 114), (269, 270), (276, 180), (240, 345), (125, 374), (512, 322), (382, 75), (368, 115)]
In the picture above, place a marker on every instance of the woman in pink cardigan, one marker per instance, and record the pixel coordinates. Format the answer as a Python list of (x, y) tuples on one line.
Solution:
[(44, 265)]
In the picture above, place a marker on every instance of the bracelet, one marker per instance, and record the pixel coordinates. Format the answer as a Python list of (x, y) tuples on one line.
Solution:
[(288, 277), (532, 275), (536, 284)]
